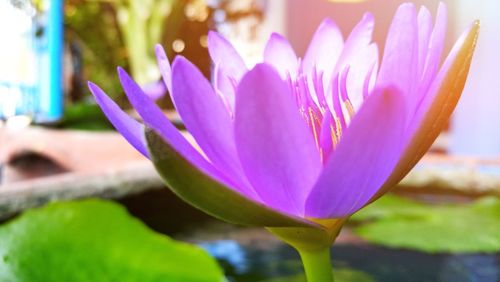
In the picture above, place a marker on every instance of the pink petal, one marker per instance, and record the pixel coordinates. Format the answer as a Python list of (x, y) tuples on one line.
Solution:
[(164, 64), (436, 46), (400, 62), (447, 86), (362, 70), (364, 158), (155, 90), (275, 146), (279, 53), (360, 37), (437, 106), (324, 50), (424, 34), (222, 51), (361, 56), (231, 66)]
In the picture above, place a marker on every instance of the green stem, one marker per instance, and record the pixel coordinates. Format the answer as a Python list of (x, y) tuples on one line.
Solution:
[(317, 265), (313, 245)]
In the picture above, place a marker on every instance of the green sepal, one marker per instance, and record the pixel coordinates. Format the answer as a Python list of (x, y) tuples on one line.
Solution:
[(313, 245), (209, 195), (310, 239)]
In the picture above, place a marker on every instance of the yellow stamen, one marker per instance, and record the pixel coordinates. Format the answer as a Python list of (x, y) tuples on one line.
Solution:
[(313, 120), (349, 108)]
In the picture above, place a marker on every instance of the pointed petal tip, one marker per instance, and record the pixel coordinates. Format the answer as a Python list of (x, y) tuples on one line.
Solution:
[(276, 35), (160, 51), (442, 5), (180, 61), (124, 77), (121, 72), (181, 58), (405, 8), (327, 23), (407, 5), (214, 35), (472, 32), (129, 128), (96, 91), (158, 46), (424, 10), (368, 16), (474, 28)]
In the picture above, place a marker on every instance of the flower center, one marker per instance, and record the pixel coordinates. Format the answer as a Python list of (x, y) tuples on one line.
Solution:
[(326, 111)]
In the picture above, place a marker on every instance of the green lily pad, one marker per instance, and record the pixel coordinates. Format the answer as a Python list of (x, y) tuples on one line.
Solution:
[(459, 228), (95, 240)]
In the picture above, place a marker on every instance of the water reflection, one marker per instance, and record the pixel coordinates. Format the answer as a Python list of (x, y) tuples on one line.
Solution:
[(354, 262), (476, 268), (229, 252)]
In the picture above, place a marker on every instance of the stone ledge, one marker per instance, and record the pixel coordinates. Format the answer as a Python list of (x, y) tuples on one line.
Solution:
[(111, 183)]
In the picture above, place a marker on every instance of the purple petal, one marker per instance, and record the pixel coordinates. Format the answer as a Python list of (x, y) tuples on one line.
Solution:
[(447, 84), (279, 53), (437, 106), (155, 90), (222, 51), (436, 46), (364, 158), (131, 129), (154, 118), (230, 66), (361, 56), (361, 71), (275, 146), (424, 34), (324, 50), (360, 37), (328, 135), (400, 62), (206, 118), (164, 64)]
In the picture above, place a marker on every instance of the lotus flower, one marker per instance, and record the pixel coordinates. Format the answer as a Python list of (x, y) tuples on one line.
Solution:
[(298, 145)]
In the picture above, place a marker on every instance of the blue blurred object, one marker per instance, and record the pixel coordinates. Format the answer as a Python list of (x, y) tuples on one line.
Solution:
[(31, 76), (52, 110)]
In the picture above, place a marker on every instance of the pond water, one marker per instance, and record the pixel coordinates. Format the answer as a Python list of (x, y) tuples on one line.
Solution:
[(252, 254), (244, 263)]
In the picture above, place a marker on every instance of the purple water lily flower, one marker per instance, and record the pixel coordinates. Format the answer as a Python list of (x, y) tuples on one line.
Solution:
[(298, 145), (293, 140)]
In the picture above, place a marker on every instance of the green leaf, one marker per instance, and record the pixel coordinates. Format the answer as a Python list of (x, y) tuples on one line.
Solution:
[(388, 206), (400, 223), (94, 240), (210, 196)]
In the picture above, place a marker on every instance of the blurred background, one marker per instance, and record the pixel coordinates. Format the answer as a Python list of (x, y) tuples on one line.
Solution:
[(56, 46), (55, 144)]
